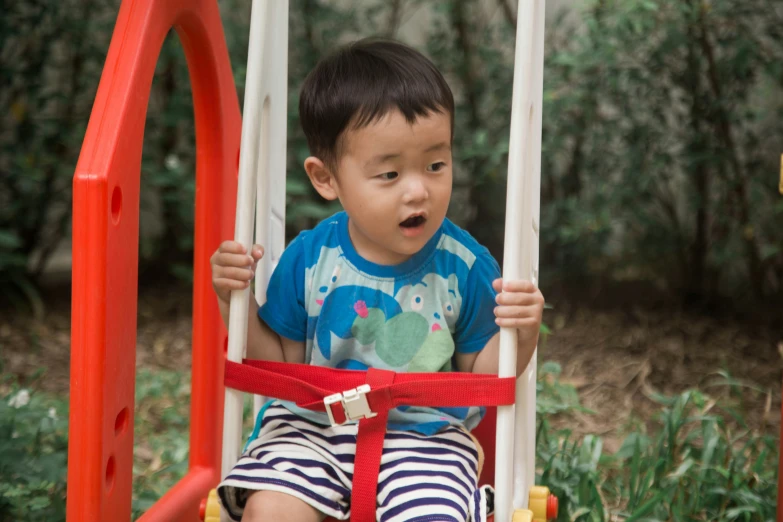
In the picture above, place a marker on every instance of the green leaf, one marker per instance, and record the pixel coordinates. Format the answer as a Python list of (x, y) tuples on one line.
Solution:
[(9, 240), (682, 469), (737, 511), (647, 508)]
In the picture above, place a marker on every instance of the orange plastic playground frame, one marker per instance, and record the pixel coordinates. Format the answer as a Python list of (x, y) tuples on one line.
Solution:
[(105, 260)]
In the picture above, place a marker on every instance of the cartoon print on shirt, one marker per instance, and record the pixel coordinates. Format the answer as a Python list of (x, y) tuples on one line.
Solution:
[(438, 347), (413, 328), (415, 335), (340, 304)]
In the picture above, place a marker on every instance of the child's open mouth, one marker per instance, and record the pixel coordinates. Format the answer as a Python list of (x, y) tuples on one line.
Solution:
[(413, 226)]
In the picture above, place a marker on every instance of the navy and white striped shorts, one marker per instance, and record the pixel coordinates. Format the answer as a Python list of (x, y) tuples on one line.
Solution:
[(422, 478)]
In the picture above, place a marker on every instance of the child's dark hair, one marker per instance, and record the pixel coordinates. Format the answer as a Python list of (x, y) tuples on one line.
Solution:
[(360, 83)]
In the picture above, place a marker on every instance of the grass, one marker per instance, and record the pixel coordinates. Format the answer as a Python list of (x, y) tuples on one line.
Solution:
[(696, 460), (694, 466), (161, 434), (33, 451)]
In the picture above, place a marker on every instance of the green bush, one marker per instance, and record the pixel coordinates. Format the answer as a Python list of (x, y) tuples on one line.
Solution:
[(49, 77), (660, 146), (33, 454), (658, 115), (660, 161), (694, 465)]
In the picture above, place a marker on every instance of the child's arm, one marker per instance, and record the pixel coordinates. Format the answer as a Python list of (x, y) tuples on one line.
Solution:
[(233, 269), (520, 306)]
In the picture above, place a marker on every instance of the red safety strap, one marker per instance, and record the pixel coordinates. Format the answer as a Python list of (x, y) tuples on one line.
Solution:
[(370, 438), (307, 386)]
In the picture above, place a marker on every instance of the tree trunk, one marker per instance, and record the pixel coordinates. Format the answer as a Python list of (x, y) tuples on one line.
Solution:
[(723, 129), (695, 271)]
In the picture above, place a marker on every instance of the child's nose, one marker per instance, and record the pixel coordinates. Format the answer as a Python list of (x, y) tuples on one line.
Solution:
[(415, 190)]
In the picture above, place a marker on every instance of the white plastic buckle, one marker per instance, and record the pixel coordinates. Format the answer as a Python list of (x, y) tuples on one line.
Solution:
[(354, 403)]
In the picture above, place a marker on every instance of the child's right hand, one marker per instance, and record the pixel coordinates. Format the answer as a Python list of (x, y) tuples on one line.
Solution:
[(233, 268)]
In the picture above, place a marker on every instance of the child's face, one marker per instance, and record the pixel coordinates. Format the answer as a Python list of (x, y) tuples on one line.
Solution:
[(394, 181)]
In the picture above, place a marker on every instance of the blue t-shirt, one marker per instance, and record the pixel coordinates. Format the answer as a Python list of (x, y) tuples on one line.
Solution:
[(412, 317)]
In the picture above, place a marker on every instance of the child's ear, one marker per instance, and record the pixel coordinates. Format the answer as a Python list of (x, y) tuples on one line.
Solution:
[(321, 178)]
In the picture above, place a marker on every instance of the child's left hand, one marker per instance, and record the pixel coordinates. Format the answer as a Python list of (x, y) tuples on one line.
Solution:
[(520, 306)]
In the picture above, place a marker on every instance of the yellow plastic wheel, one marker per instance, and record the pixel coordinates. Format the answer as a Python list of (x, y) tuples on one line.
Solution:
[(522, 515), (210, 508), (542, 504)]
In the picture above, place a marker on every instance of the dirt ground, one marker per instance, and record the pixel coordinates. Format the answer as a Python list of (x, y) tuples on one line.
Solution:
[(617, 355)]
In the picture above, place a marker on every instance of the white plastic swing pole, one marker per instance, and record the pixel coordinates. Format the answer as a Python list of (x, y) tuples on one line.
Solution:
[(266, 30), (520, 259), (525, 421), (270, 206)]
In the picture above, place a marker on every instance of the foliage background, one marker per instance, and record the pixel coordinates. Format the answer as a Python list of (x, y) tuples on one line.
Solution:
[(662, 136), (662, 133)]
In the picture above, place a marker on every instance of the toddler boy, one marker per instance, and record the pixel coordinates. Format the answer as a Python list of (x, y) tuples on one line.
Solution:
[(387, 283)]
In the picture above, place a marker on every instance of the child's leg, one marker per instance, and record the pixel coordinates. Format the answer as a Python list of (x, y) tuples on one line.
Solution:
[(272, 506), (293, 466), (429, 478)]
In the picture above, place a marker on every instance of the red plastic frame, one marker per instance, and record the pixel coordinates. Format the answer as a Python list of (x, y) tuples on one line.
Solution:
[(105, 260)]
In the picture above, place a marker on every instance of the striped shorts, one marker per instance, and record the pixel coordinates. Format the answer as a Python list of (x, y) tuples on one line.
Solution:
[(422, 478)]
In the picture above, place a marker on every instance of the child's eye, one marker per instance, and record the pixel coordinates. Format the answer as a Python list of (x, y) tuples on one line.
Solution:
[(436, 167), (388, 176)]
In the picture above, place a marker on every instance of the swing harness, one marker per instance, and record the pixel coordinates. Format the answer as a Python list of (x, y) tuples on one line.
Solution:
[(367, 397)]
